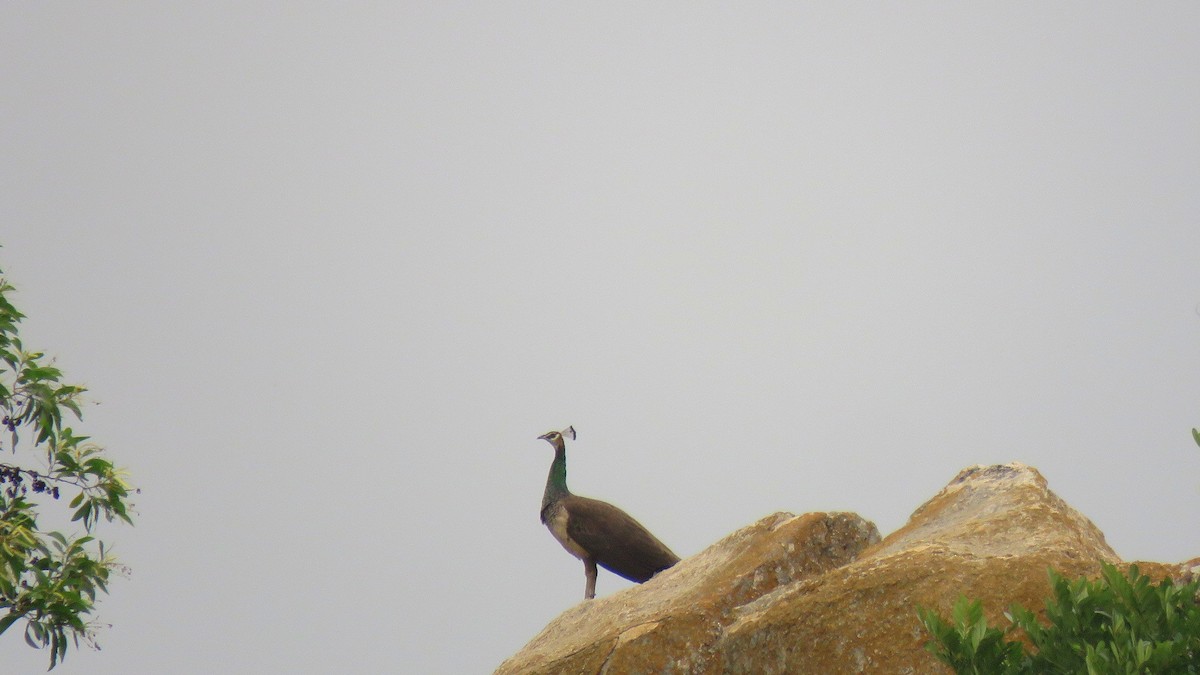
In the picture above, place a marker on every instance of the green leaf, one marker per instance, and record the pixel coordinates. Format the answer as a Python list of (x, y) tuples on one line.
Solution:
[(35, 635), (73, 407), (58, 537), (8, 620)]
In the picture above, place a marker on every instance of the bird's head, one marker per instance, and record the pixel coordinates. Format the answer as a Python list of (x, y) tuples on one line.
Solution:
[(555, 438)]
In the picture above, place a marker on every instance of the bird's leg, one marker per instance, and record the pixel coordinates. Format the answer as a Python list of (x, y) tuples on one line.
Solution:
[(589, 568)]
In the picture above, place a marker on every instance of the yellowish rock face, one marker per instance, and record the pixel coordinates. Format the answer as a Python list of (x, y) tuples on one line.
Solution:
[(820, 593)]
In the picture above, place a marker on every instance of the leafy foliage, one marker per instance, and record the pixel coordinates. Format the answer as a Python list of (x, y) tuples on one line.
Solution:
[(1118, 624), (968, 644), (48, 579)]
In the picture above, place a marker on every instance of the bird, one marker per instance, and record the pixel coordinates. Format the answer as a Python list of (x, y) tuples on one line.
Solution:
[(597, 532)]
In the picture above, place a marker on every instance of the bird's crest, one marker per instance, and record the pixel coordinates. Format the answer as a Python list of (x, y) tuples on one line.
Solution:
[(569, 432)]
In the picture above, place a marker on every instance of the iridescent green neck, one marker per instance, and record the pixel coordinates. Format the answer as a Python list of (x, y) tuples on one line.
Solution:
[(556, 482)]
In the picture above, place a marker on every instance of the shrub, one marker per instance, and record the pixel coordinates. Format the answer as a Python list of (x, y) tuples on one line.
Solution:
[(1119, 623)]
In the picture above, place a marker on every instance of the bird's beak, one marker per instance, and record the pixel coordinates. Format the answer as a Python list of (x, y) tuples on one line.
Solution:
[(545, 436)]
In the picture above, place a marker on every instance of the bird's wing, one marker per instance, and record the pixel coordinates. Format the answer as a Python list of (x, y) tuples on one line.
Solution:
[(615, 540)]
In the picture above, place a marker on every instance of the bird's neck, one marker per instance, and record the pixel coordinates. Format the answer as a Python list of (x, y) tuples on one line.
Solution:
[(556, 482)]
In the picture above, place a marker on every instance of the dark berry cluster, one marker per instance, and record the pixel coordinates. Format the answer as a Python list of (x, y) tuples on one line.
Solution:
[(15, 478), (9, 423)]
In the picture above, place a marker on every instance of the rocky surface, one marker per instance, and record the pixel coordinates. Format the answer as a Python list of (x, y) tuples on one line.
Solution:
[(672, 622), (819, 593)]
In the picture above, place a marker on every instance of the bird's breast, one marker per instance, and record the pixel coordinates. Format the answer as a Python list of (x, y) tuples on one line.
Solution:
[(556, 520)]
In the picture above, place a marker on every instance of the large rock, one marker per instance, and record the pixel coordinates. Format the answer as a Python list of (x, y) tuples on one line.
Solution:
[(991, 534), (817, 594), (672, 622)]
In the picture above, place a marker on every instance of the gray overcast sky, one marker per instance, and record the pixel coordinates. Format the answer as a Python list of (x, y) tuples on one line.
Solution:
[(331, 268)]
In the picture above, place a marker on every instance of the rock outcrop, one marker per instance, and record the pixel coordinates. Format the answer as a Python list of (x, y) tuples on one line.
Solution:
[(673, 622), (820, 594)]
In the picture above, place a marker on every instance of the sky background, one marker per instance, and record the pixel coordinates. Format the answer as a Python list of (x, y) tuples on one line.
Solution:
[(328, 271)]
